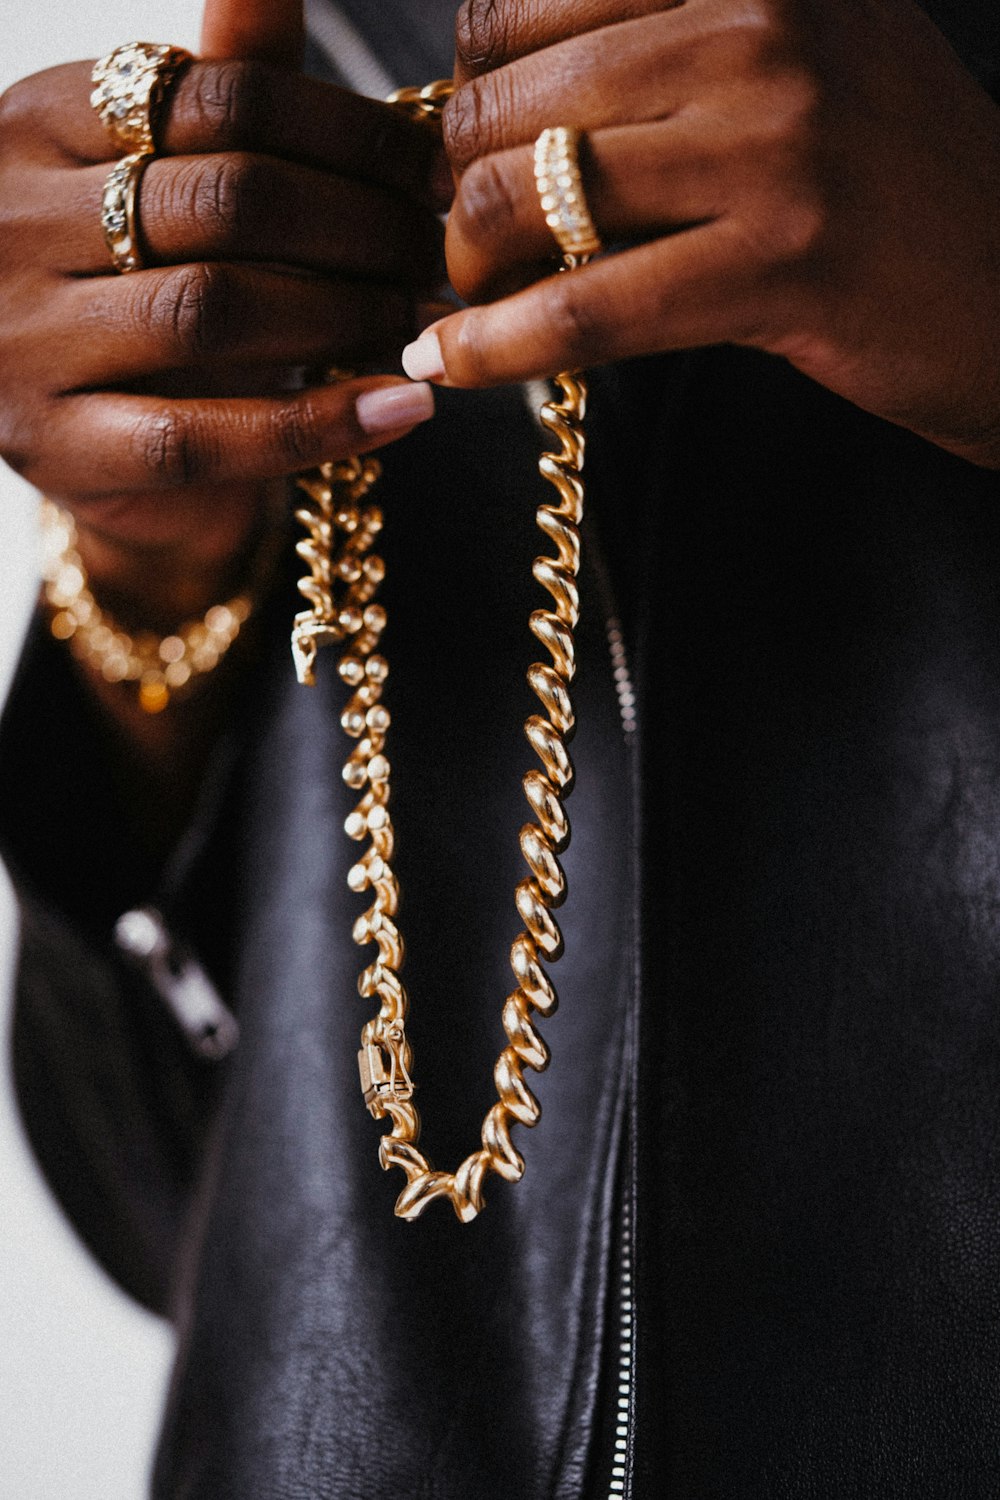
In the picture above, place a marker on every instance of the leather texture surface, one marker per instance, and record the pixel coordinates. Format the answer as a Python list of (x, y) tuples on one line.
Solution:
[(819, 1232)]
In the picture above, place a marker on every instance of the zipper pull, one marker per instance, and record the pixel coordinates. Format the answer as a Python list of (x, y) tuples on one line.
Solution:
[(208, 1025)]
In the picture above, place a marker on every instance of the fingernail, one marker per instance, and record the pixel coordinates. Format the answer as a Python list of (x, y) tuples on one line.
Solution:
[(394, 406), (422, 359)]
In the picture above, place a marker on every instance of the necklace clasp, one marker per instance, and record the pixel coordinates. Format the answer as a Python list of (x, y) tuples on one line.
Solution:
[(383, 1071)]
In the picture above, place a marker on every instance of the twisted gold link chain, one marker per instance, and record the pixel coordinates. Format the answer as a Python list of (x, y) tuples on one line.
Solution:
[(343, 575), (341, 527), (426, 102)]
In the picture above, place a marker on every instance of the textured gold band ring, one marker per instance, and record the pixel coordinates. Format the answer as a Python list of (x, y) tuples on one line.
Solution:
[(119, 210), (560, 188), (130, 84)]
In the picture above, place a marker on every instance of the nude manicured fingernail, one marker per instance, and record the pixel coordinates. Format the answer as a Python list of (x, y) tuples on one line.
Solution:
[(422, 359), (394, 406)]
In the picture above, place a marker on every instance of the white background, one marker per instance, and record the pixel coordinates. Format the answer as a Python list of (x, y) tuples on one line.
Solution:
[(82, 1370)]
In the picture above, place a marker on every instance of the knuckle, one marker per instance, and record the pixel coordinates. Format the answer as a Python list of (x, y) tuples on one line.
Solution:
[(194, 310), (575, 322), (795, 108), (787, 238), (26, 106), (790, 141), (229, 101), (486, 204), (172, 195), (233, 197), (168, 449), (755, 37), (469, 122), (297, 435), (754, 20), (801, 234), (481, 31), (16, 106)]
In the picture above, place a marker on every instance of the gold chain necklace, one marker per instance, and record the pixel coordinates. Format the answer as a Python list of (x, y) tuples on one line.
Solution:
[(341, 525)]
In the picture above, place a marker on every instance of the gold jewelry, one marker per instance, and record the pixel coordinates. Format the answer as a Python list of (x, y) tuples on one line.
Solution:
[(130, 85), (424, 103), (341, 526), (560, 188), (119, 217), (160, 666)]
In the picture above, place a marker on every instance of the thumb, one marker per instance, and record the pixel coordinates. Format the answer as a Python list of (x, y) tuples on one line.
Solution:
[(267, 30)]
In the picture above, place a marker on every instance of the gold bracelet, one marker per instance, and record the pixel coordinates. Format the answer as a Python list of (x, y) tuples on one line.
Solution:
[(160, 666)]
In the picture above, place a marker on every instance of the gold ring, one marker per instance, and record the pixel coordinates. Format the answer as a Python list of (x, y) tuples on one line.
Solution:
[(560, 188), (119, 207), (129, 88)]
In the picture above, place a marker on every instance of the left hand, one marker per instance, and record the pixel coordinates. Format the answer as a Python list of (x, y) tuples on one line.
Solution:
[(816, 178)]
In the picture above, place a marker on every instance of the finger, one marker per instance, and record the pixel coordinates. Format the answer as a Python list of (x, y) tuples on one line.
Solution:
[(640, 70), (640, 182), (237, 106), (268, 30), (213, 317), (101, 443), (488, 35), (244, 207), (688, 291), (252, 107)]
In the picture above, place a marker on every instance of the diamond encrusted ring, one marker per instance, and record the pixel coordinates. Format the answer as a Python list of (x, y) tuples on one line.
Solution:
[(557, 178), (129, 87), (118, 210)]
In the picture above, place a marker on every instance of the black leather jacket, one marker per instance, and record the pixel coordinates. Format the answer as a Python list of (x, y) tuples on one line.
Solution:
[(757, 1236)]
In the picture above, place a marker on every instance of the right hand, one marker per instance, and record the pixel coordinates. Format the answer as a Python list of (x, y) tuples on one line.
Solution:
[(287, 224)]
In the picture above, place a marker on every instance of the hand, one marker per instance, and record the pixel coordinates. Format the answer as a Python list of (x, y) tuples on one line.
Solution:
[(816, 178), (288, 224)]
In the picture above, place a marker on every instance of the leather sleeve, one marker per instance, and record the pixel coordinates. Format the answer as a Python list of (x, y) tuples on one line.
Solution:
[(115, 1098)]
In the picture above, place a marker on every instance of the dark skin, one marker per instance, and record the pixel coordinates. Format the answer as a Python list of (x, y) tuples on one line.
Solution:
[(816, 178), (288, 224)]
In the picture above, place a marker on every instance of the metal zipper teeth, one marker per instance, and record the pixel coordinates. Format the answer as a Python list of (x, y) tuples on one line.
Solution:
[(624, 1384), (622, 675)]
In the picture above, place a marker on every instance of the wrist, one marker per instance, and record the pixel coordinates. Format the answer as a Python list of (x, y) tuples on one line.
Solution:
[(155, 577)]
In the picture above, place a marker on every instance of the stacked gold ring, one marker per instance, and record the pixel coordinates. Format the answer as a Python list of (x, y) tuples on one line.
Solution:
[(118, 210), (560, 188), (130, 85)]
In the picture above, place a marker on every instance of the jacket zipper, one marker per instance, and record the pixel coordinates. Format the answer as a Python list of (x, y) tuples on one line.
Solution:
[(624, 1383), (619, 1485), (620, 670)]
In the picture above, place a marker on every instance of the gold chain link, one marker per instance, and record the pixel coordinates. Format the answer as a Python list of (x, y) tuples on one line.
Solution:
[(341, 527)]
